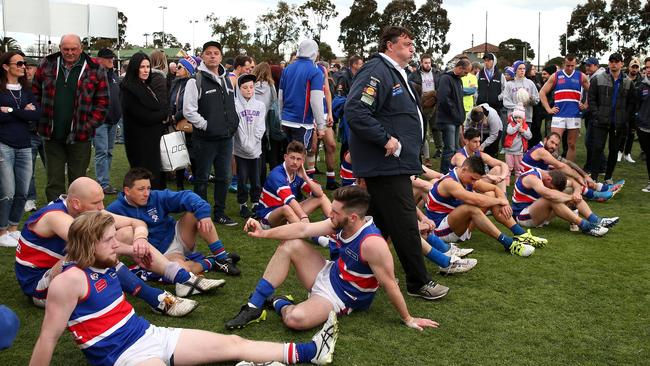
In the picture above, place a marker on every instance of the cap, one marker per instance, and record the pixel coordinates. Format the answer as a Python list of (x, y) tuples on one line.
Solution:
[(189, 63), (212, 44), (488, 56), (615, 57), (634, 62), (31, 61), (246, 78), (106, 53), (592, 61)]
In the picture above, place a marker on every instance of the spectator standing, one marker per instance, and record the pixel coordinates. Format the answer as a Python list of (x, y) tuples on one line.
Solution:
[(625, 150), (72, 91), (17, 109), (512, 94), (643, 111), (516, 142), (104, 139), (538, 110), (36, 141), (491, 83), (386, 126), (144, 114), (159, 73), (470, 87), (209, 104), (427, 78), (592, 68), (450, 113)]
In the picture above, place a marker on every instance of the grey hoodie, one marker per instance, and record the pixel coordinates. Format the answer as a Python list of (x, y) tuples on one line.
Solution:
[(252, 125)]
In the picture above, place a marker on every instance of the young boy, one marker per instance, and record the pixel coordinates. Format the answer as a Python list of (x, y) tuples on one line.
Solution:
[(248, 143), (282, 190)]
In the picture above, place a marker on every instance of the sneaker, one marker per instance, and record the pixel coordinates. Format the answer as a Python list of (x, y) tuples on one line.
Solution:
[(234, 257), (270, 363), (646, 189), (14, 234), (6, 240), (244, 212), (459, 265), (226, 266), (332, 185), (270, 302), (109, 190), (629, 159), (521, 249), (175, 306), (620, 156), (596, 230), (247, 315), (225, 220), (608, 222), (326, 340), (30, 205), (197, 285), (530, 239), (458, 252), (603, 196), (232, 188), (574, 227), (430, 291)]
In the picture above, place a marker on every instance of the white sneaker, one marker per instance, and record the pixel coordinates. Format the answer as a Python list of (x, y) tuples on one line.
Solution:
[(620, 156), (197, 285), (175, 306), (458, 252), (629, 159), (15, 234), (325, 341), (458, 265), (30, 205), (646, 189), (573, 227), (596, 230), (6, 240)]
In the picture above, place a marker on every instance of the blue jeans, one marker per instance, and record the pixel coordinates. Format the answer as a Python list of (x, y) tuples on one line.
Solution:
[(209, 154), (37, 148), (104, 141), (15, 171), (450, 134)]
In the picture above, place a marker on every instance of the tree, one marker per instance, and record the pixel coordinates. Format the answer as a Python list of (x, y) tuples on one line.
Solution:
[(187, 47), (121, 28), (588, 29), (314, 17), (170, 40), (325, 52), (359, 29), (431, 27), (399, 13), (277, 28), (8, 44), (233, 34), (626, 21), (512, 50), (644, 28)]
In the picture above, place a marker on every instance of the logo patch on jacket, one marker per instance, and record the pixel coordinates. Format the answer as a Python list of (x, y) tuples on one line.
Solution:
[(153, 213), (397, 89)]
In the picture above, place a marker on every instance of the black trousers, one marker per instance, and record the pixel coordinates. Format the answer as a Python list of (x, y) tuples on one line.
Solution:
[(644, 142), (493, 148), (248, 171), (616, 136), (393, 209)]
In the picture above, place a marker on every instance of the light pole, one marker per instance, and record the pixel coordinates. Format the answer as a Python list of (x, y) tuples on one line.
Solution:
[(193, 22), (146, 39), (163, 24)]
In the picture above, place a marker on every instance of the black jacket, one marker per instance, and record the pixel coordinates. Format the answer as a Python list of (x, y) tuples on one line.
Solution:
[(489, 90), (643, 99), (450, 100), (114, 103), (379, 106), (600, 100), (217, 106)]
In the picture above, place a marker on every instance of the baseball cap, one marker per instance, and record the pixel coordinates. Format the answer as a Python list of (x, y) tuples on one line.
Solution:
[(105, 53), (246, 78), (615, 57), (592, 61), (488, 56), (634, 62), (212, 44)]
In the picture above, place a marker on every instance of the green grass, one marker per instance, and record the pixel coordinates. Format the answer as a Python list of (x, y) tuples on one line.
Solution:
[(579, 301)]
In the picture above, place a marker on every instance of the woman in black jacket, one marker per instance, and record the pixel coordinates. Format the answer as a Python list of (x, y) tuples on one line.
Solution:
[(144, 115)]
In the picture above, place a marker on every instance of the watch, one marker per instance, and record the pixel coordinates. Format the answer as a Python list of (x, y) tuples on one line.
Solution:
[(9, 109)]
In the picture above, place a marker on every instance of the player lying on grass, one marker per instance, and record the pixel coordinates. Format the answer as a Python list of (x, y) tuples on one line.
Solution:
[(538, 196), (361, 262), (87, 299)]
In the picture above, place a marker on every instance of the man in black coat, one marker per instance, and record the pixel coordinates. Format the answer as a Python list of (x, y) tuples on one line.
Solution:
[(451, 112), (386, 138)]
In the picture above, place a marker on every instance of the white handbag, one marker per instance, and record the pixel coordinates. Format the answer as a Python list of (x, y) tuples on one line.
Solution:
[(173, 152)]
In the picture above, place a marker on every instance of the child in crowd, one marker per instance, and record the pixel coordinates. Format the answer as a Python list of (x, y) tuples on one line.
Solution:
[(516, 141)]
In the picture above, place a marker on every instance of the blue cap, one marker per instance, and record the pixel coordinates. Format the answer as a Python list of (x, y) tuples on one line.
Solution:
[(9, 324), (592, 61), (510, 71)]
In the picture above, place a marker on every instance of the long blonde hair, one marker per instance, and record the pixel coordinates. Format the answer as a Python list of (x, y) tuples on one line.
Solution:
[(85, 231), (262, 72), (159, 60)]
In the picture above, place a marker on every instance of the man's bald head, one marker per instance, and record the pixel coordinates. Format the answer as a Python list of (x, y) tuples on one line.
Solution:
[(70, 47), (85, 194)]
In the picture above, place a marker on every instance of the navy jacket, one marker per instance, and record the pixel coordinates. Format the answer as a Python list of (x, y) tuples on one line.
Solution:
[(379, 106), (450, 100)]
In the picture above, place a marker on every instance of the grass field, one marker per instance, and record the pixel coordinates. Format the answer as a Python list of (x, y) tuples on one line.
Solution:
[(579, 301)]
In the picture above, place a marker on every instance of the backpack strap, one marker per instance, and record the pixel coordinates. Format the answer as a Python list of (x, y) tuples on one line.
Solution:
[(198, 77)]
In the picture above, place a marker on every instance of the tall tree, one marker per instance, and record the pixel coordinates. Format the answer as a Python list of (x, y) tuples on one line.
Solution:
[(277, 29), (315, 15), (233, 34), (325, 52), (170, 40), (626, 21), (431, 27), (512, 50), (588, 30), (359, 29), (8, 44), (121, 28), (644, 28), (400, 13)]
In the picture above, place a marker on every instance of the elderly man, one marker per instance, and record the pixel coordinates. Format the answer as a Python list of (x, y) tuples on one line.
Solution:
[(72, 90)]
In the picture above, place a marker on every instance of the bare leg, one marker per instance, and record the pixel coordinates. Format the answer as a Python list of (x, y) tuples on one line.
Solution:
[(307, 261), (281, 215), (330, 149), (311, 204), (308, 314), (572, 137), (152, 362), (460, 219)]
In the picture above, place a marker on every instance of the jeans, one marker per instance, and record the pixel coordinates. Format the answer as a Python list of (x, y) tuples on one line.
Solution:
[(215, 154), (37, 148), (60, 155), (450, 134), (104, 140), (15, 171), (248, 170)]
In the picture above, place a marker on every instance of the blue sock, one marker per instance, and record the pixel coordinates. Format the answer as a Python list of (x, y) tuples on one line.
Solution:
[(133, 285), (593, 218), (182, 276), (305, 351), (584, 225), (517, 230), (438, 258), (218, 250), (263, 290), (279, 304), (233, 180), (505, 240), (437, 243), (331, 177), (207, 263), (589, 194), (195, 256)]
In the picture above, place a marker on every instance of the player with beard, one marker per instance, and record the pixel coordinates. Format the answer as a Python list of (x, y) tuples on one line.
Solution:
[(87, 299), (360, 263)]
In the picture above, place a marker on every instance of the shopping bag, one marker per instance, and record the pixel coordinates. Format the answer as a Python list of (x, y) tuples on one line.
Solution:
[(173, 152)]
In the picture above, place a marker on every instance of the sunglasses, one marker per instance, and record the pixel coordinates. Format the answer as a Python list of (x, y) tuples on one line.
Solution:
[(18, 63)]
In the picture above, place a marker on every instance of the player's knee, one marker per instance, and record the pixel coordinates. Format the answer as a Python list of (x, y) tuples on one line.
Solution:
[(295, 319)]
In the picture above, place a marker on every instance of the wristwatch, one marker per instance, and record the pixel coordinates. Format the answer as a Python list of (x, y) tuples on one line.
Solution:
[(9, 109)]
